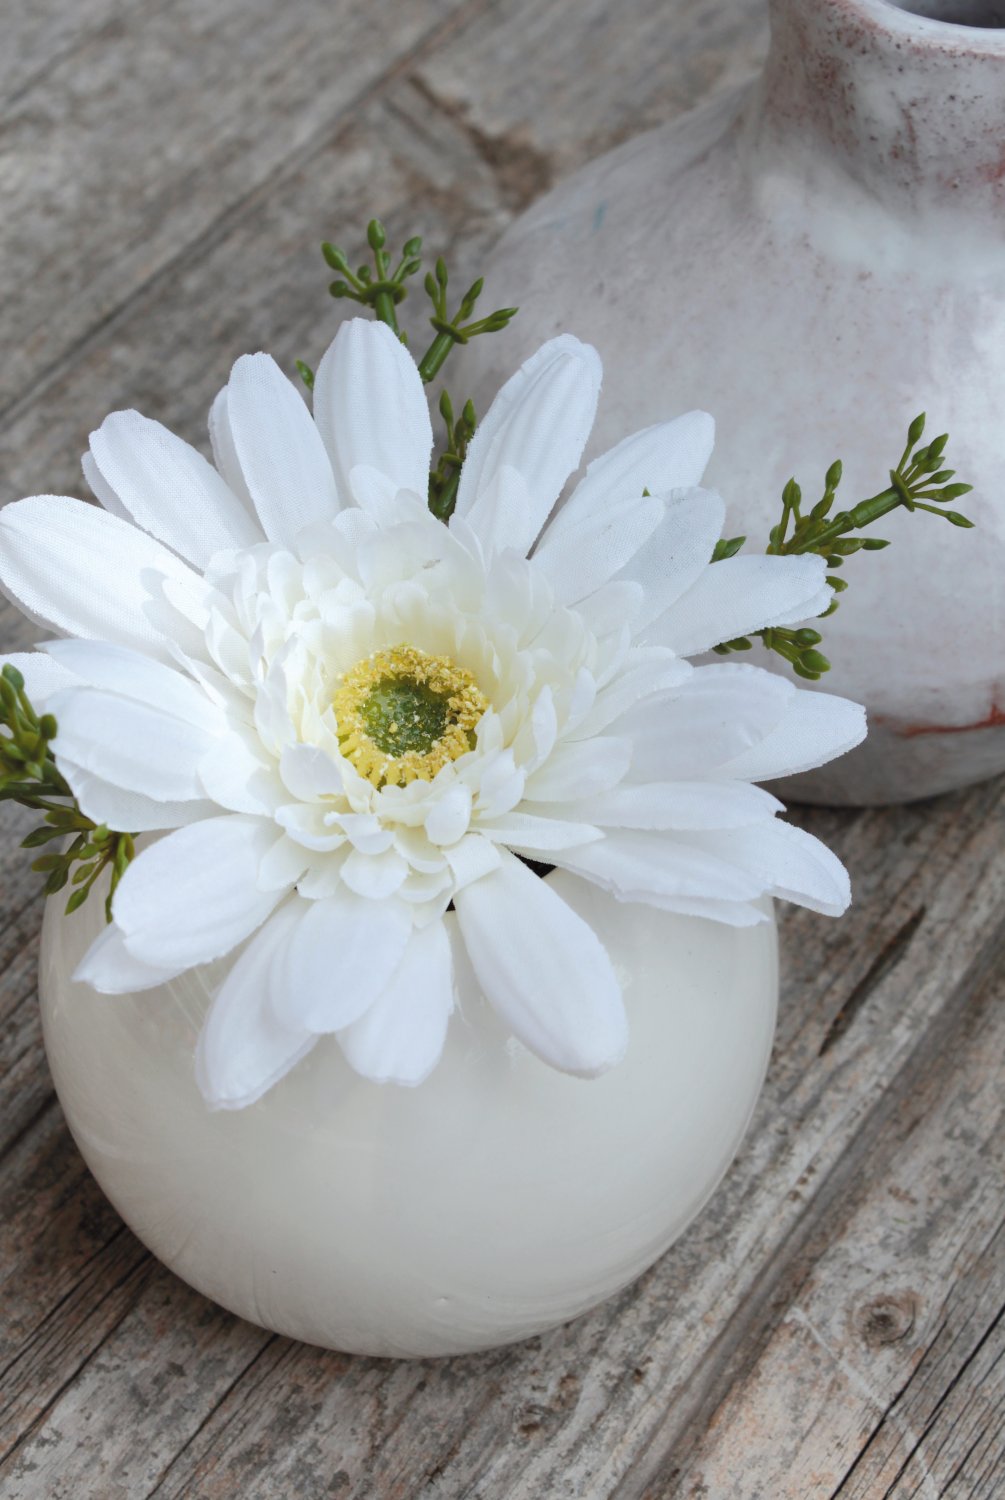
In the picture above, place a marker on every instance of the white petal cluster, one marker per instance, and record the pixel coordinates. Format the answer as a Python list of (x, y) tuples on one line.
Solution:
[(212, 614)]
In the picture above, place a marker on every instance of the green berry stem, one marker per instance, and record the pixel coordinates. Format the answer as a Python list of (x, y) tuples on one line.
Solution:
[(918, 479)]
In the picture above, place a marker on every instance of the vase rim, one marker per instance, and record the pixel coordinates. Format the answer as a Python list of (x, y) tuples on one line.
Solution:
[(904, 23)]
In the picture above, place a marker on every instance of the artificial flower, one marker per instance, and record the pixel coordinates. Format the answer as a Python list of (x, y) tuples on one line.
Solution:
[(357, 729)]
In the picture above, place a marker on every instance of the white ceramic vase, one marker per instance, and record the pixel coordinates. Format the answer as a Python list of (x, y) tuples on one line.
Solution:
[(493, 1201), (815, 263)]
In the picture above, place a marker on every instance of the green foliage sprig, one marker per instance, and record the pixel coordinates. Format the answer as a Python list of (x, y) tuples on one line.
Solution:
[(919, 482), (28, 775), (382, 289)]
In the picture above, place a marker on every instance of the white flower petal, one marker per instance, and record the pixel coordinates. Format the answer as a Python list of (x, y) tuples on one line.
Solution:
[(815, 728), (283, 865), (338, 959), (243, 1048), (791, 864), (500, 512), (635, 866), (130, 812), (375, 876), (669, 456), (591, 550), (237, 776), (740, 595), (225, 454), (677, 553), (682, 805), (370, 407), (308, 826), (543, 969), (580, 768), (111, 969), (472, 859), (538, 424), (644, 674), (193, 896), (309, 773), (100, 488), (42, 675), (80, 571), (129, 744), (448, 818), (131, 674), (718, 714), (169, 489), (539, 835), (282, 457), (400, 1037)]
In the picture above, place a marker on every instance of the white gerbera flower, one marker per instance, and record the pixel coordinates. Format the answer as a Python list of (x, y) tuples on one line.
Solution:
[(359, 724)]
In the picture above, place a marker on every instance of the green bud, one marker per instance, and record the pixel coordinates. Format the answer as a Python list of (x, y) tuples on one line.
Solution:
[(376, 235), (429, 282), (48, 862), (76, 900), (446, 408), (958, 520), (11, 674), (338, 289), (441, 271), (412, 247), (306, 374), (937, 447), (807, 637), (814, 661), (874, 544), (468, 415), (335, 258), (40, 836), (955, 491), (915, 430), (837, 584), (47, 726), (833, 475), (802, 671)]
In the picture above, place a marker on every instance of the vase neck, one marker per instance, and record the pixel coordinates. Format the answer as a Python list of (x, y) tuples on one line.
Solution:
[(909, 106)]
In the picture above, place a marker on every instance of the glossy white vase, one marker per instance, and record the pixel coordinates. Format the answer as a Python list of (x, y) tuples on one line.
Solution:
[(815, 263), (493, 1201)]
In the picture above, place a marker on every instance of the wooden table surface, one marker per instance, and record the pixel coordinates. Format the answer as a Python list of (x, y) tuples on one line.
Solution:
[(832, 1324)]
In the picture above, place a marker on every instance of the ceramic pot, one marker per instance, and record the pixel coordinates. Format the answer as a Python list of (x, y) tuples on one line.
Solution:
[(815, 263), (496, 1199)]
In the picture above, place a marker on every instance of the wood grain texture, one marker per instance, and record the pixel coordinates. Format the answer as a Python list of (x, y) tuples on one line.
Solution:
[(832, 1324)]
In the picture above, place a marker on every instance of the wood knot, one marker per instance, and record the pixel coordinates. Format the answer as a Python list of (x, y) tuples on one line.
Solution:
[(887, 1318)]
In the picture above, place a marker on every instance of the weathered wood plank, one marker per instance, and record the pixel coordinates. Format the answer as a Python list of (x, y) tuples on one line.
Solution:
[(133, 146), (39, 34), (897, 1302)]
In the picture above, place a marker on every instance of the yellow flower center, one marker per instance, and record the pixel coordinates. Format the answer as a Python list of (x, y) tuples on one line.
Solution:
[(403, 715)]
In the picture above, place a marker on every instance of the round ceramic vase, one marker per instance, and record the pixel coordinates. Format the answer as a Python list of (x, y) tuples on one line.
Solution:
[(815, 263), (496, 1199)]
